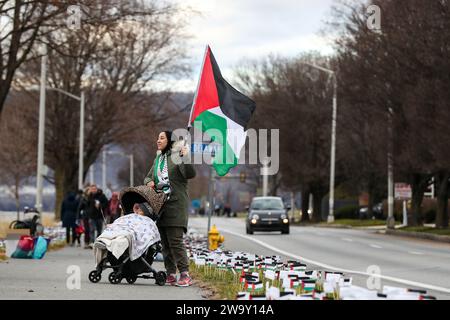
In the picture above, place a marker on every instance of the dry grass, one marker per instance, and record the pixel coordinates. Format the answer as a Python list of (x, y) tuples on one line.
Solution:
[(53, 246), (3, 229), (48, 221), (441, 232), (224, 284)]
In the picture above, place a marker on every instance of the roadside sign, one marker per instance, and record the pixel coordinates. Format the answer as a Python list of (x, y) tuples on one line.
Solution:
[(198, 147), (403, 191)]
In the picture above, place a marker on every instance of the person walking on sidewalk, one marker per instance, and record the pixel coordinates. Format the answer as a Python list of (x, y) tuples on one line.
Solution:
[(96, 206), (171, 177), (83, 214), (69, 209), (113, 209)]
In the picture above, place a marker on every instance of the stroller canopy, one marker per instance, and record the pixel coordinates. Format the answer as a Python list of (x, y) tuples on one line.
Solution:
[(131, 195)]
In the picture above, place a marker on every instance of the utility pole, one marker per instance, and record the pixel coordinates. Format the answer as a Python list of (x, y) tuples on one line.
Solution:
[(330, 217), (265, 179), (104, 170), (131, 170), (333, 151), (91, 174), (391, 219), (81, 144), (211, 182), (41, 136)]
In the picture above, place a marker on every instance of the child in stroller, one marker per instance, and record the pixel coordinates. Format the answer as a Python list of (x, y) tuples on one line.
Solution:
[(136, 232)]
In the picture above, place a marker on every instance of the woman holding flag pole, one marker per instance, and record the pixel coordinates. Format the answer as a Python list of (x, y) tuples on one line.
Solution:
[(171, 177), (216, 105)]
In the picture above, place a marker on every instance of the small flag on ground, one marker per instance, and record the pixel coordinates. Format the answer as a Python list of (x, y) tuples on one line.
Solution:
[(254, 286), (308, 285), (243, 296)]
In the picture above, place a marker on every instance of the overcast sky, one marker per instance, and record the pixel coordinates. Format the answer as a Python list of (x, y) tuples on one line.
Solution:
[(238, 29)]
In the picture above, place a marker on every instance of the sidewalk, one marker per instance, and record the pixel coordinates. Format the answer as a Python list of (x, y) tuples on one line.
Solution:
[(48, 278)]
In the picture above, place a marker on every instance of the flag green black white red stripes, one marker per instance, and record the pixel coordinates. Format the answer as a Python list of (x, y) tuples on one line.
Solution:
[(222, 111)]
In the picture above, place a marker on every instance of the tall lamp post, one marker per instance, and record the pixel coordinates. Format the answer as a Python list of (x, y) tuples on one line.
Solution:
[(330, 218), (81, 142), (390, 223), (41, 136)]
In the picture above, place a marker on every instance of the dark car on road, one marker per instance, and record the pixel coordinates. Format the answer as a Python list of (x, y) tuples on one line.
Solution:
[(377, 212), (267, 214)]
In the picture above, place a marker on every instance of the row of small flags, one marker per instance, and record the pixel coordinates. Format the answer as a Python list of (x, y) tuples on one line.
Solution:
[(290, 276)]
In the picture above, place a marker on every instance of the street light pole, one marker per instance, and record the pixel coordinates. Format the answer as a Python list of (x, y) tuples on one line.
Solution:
[(91, 174), (265, 179), (391, 219), (333, 151), (330, 217), (131, 170), (81, 144), (41, 136), (104, 169)]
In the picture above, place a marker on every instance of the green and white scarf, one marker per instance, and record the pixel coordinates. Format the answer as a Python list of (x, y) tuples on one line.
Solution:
[(161, 174)]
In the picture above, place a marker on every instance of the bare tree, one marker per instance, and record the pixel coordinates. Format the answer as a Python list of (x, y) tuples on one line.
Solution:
[(403, 67), (17, 147), (295, 99), (21, 26), (112, 63)]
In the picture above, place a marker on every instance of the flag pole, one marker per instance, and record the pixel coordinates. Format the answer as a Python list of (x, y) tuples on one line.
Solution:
[(196, 93), (198, 85)]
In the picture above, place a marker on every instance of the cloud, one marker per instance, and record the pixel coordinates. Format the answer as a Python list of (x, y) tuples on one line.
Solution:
[(255, 28)]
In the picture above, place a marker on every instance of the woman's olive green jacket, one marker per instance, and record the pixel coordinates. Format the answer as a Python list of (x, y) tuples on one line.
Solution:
[(174, 212)]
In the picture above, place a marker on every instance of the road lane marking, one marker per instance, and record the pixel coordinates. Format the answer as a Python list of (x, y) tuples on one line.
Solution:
[(415, 252), (327, 266), (376, 246), (347, 239), (319, 234)]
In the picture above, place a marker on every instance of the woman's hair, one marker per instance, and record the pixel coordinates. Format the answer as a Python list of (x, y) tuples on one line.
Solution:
[(169, 141)]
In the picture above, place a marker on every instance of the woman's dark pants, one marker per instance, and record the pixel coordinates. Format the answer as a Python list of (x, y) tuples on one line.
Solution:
[(74, 234), (174, 250)]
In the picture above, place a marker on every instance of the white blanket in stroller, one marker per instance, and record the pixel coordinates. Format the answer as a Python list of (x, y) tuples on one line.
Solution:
[(141, 231)]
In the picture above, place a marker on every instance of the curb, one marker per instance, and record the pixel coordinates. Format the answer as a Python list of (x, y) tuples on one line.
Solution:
[(420, 235), (318, 225), (334, 226)]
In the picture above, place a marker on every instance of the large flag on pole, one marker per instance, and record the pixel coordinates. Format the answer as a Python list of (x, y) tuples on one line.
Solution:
[(222, 111)]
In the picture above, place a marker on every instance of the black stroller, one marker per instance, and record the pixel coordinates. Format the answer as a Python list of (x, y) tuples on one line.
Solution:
[(124, 268)]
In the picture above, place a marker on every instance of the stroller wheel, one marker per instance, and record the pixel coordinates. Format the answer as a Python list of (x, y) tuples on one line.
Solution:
[(114, 278), (95, 276), (160, 278), (131, 279)]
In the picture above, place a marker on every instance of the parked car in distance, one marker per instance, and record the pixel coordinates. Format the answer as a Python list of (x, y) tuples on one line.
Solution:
[(267, 214), (377, 212)]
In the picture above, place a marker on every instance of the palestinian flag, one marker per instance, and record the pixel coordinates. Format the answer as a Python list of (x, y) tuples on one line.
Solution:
[(222, 112)]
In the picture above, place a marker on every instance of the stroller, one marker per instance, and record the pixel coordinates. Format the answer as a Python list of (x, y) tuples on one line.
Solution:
[(123, 267), (36, 228)]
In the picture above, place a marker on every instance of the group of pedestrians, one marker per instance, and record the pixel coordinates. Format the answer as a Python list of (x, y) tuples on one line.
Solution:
[(87, 212)]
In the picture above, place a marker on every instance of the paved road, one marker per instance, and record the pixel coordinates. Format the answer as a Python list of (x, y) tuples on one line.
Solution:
[(47, 279), (404, 262)]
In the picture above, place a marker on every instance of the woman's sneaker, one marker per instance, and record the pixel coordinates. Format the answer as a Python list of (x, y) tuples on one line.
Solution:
[(171, 279), (185, 280)]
